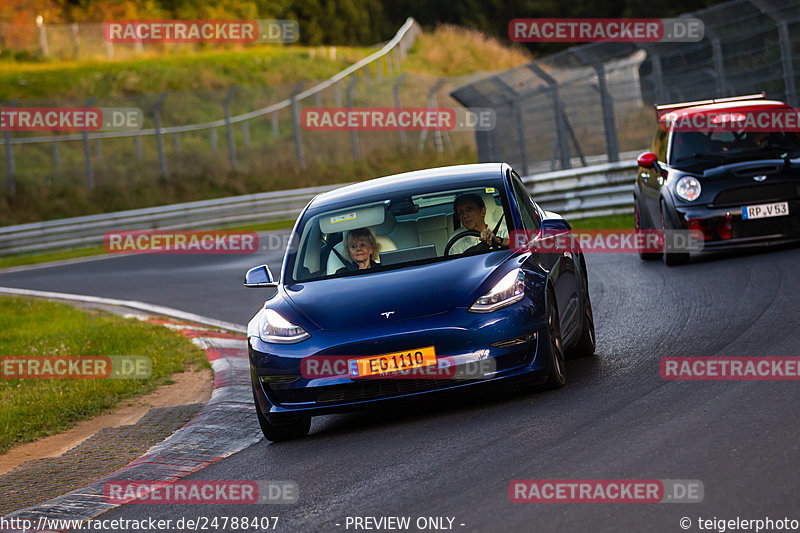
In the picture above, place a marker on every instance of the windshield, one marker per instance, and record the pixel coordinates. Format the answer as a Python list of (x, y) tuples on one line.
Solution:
[(397, 232), (708, 149)]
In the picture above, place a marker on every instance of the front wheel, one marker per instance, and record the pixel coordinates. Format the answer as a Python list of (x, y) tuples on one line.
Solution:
[(670, 258), (586, 344), (291, 429), (637, 221), (557, 377)]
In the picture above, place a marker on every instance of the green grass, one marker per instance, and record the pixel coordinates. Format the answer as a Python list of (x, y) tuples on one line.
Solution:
[(32, 409), (603, 222), (38, 257), (208, 70)]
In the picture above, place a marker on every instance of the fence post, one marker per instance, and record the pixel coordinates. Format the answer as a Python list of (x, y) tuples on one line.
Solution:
[(558, 110), (246, 134), (785, 42), (229, 128), (162, 159), (353, 132), (98, 150), (718, 58), (214, 146), (274, 118), (658, 76), (42, 36), (298, 142), (516, 107), (76, 43), (56, 158), (396, 89), (437, 134), (138, 142), (607, 104), (87, 153), (12, 171)]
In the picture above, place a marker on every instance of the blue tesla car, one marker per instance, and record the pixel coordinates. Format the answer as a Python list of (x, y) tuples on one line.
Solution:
[(412, 284)]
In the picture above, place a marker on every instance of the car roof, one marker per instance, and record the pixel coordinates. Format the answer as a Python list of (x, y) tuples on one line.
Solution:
[(415, 182), (742, 105)]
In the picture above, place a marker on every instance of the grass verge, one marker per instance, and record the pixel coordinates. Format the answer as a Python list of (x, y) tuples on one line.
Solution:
[(33, 409), (603, 222)]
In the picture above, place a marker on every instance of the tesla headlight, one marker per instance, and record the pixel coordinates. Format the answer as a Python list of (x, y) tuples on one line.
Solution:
[(510, 289), (274, 328), (688, 188)]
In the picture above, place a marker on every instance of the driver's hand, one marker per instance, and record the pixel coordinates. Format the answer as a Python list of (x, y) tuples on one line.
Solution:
[(488, 237)]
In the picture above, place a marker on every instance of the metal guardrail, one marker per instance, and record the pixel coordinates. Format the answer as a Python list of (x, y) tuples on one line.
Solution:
[(590, 191), (605, 189)]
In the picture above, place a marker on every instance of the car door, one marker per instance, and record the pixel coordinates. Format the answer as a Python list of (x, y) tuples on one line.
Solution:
[(650, 180), (560, 265)]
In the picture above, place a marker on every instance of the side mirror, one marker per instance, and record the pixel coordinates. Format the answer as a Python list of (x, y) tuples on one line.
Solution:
[(259, 276), (551, 226), (647, 160)]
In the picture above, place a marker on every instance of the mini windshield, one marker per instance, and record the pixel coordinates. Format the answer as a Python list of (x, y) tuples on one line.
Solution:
[(397, 232), (708, 149)]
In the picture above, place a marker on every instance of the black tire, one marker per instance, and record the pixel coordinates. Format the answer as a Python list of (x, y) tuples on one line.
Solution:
[(292, 429), (637, 222), (670, 258), (586, 344), (557, 377)]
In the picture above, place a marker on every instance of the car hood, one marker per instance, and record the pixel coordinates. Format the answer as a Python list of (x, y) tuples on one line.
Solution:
[(408, 293)]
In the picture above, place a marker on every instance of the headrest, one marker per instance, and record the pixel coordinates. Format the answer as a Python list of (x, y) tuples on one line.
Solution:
[(434, 223)]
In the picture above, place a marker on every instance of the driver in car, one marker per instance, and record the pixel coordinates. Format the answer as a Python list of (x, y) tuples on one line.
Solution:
[(471, 212)]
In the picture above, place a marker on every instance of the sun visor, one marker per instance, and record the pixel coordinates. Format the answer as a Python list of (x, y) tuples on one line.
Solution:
[(352, 219)]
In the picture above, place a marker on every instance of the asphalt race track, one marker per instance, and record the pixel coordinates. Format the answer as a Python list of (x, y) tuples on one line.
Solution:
[(615, 419)]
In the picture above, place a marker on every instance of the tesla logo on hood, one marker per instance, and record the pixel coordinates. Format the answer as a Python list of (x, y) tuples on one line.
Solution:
[(387, 314), (759, 178)]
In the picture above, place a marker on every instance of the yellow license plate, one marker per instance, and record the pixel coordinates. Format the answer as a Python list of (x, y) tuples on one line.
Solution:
[(390, 363)]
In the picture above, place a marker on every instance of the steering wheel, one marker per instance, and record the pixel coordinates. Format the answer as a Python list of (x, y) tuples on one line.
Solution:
[(469, 233)]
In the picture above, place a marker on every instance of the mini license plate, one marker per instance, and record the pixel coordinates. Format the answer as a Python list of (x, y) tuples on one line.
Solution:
[(378, 365), (778, 209)]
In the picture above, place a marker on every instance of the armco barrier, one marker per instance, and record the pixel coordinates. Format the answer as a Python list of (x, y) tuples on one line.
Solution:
[(590, 191)]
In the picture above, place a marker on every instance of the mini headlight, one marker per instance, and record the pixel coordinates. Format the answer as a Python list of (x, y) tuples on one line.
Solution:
[(274, 328), (510, 289), (688, 188)]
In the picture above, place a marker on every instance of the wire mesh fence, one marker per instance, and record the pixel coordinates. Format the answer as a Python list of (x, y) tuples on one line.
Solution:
[(254, 129), (594, 101)]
